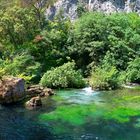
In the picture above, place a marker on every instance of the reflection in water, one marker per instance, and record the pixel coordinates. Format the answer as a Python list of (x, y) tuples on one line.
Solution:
[(76, 115)]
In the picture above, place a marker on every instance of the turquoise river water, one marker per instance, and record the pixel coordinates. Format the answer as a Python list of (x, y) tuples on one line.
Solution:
[(75, 114)]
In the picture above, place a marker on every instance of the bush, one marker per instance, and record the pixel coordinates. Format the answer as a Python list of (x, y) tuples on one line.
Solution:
[(63, 77), (105, 78), (23, 66), (133, 71)]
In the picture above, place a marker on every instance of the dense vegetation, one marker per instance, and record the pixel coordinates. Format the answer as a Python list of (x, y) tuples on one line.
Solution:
[(105, 78), (63, 77), (105, 48)]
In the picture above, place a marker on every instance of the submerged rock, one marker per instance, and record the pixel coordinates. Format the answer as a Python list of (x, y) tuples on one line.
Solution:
[(11, 90), (34, 102)]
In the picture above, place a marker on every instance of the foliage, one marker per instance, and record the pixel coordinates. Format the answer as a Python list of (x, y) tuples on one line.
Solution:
[(63, 77), (96, 35), (105, 77), (51, 45), (18, 25), (22, 66), (81, 9), (133, 71), (108, 42)]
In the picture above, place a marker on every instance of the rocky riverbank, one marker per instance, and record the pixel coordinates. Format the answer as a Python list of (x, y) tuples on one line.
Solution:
[(13, 90)]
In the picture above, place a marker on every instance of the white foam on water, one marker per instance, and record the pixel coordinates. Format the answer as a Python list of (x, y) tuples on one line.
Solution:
[(125, 86), (88, 89)]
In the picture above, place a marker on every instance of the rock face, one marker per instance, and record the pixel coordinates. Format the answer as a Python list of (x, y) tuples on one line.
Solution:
[(69, 7), (137, 6), (39, 90), (11, 90), (34, 102)]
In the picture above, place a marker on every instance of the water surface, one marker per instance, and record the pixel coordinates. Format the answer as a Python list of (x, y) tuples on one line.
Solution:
[(76, 114)]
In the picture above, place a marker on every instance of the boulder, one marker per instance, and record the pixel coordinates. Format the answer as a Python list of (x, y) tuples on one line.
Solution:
[(39, 90), (47, 92), (34, 102), (11, 90)]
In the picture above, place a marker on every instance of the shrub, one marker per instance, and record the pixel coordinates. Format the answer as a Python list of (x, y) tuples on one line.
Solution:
[(23, 66), (133, 71), (63, 77), (105, 78)]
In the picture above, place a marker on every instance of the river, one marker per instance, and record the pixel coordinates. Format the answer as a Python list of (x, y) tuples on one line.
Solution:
[(75, 114)]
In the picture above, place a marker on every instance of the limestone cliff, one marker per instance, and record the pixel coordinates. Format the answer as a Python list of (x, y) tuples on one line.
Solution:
[(69, 7)]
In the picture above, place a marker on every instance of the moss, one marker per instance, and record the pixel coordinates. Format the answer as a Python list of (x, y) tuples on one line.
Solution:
[(81, 114), (121, 114), (130, 98), (121, 107), (75, 114)]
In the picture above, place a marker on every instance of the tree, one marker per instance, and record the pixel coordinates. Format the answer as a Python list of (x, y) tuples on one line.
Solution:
[(97, 34), (51, 46), (39, 7), (17, 25)]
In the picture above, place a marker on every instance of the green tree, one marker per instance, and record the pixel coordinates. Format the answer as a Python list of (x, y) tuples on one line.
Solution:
[(39, 7), (51, 46), (96, 34), (17, 25)]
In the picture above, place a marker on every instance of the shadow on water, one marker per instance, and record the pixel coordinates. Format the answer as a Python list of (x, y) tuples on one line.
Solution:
[(19, 123)]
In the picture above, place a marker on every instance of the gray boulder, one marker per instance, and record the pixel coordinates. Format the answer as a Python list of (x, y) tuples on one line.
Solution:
[(11, 90)]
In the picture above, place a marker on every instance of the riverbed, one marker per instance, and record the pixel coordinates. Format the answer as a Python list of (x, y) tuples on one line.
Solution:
[(75, 114)]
